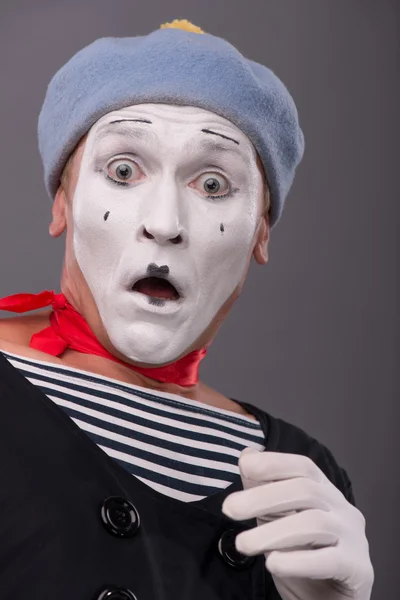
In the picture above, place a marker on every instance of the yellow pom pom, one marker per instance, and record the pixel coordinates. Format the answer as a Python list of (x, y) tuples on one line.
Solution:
[(182, 24)]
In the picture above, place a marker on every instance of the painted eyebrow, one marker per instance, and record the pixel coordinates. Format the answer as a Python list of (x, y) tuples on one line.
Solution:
[(148, 122), (210, 146), (141, 134), (221, 135), (115, 128), (131, 120), (225, 137)]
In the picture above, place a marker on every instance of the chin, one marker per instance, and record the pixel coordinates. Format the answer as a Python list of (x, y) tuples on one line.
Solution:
[(150, 335), (146, 344)]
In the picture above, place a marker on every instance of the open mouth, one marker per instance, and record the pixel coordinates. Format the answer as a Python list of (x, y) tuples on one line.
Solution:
[(156, 287)]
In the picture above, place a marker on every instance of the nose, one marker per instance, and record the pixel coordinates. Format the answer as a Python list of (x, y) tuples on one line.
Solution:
[(162, 238), (163, 219)]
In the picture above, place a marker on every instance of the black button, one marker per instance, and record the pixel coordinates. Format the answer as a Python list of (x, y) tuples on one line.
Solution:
[(116, 593), (120, 517), (231, 556)]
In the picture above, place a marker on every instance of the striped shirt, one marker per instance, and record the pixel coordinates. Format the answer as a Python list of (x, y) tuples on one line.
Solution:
[(182, 448)]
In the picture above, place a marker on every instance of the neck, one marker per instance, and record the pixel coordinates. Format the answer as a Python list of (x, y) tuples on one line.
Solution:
[(107, 368), (199, 391), (191, 392)]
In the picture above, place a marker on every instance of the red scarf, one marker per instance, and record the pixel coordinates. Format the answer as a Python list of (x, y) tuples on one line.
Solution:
[(68, 329)]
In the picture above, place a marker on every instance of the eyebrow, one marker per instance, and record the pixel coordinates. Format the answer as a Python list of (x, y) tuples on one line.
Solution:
[(131, 120), (138, 133), (211, 146), (148, 122), (220, 135)]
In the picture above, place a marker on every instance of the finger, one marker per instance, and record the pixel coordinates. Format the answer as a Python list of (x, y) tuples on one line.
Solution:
[(311, 528), (323, 563), (269, 499), (275, 466)]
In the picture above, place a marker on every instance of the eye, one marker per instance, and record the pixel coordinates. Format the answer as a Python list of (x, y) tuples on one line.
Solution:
[(123, 171), (214, 185)]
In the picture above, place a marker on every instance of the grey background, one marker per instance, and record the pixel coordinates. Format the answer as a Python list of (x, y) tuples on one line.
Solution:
[(315, 337)]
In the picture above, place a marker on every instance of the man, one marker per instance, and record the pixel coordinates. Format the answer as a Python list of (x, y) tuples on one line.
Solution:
[(168, 158)]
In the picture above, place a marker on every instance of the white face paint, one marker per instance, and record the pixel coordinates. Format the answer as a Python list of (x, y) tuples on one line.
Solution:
[(176, 188)]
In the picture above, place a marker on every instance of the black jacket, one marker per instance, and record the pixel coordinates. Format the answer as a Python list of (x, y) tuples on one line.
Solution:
[(74, 525)]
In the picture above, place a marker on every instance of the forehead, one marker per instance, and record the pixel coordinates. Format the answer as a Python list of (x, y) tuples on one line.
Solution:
[(165, 119)]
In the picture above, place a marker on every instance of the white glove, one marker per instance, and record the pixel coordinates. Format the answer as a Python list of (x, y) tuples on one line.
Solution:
[(312, 537)]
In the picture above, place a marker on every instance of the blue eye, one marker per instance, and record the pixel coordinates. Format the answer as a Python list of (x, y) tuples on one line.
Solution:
[(123, 171), (214, 185)]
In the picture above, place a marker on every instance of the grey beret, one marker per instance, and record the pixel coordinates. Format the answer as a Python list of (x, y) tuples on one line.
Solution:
[(172, 66)]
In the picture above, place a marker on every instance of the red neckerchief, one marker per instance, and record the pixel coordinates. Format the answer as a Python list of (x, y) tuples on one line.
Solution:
[(68, 329)]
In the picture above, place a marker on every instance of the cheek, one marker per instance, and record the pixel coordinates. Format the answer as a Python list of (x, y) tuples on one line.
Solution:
[(231, 241), (100, 232), (225, 248), (94, 213), (228, 232), (69, 239)]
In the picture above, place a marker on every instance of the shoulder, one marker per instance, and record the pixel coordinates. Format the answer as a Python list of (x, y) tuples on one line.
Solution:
[(19, 330), (292, 439)]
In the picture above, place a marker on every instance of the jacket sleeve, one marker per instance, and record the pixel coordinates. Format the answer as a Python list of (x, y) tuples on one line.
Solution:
[(294, 440), (324, 458)]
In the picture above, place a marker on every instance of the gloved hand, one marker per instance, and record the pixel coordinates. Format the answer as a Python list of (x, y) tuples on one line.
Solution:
[(312, 537)]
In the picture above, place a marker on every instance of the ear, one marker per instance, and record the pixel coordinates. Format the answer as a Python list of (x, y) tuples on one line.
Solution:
[(59, 222), (260, 251)]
